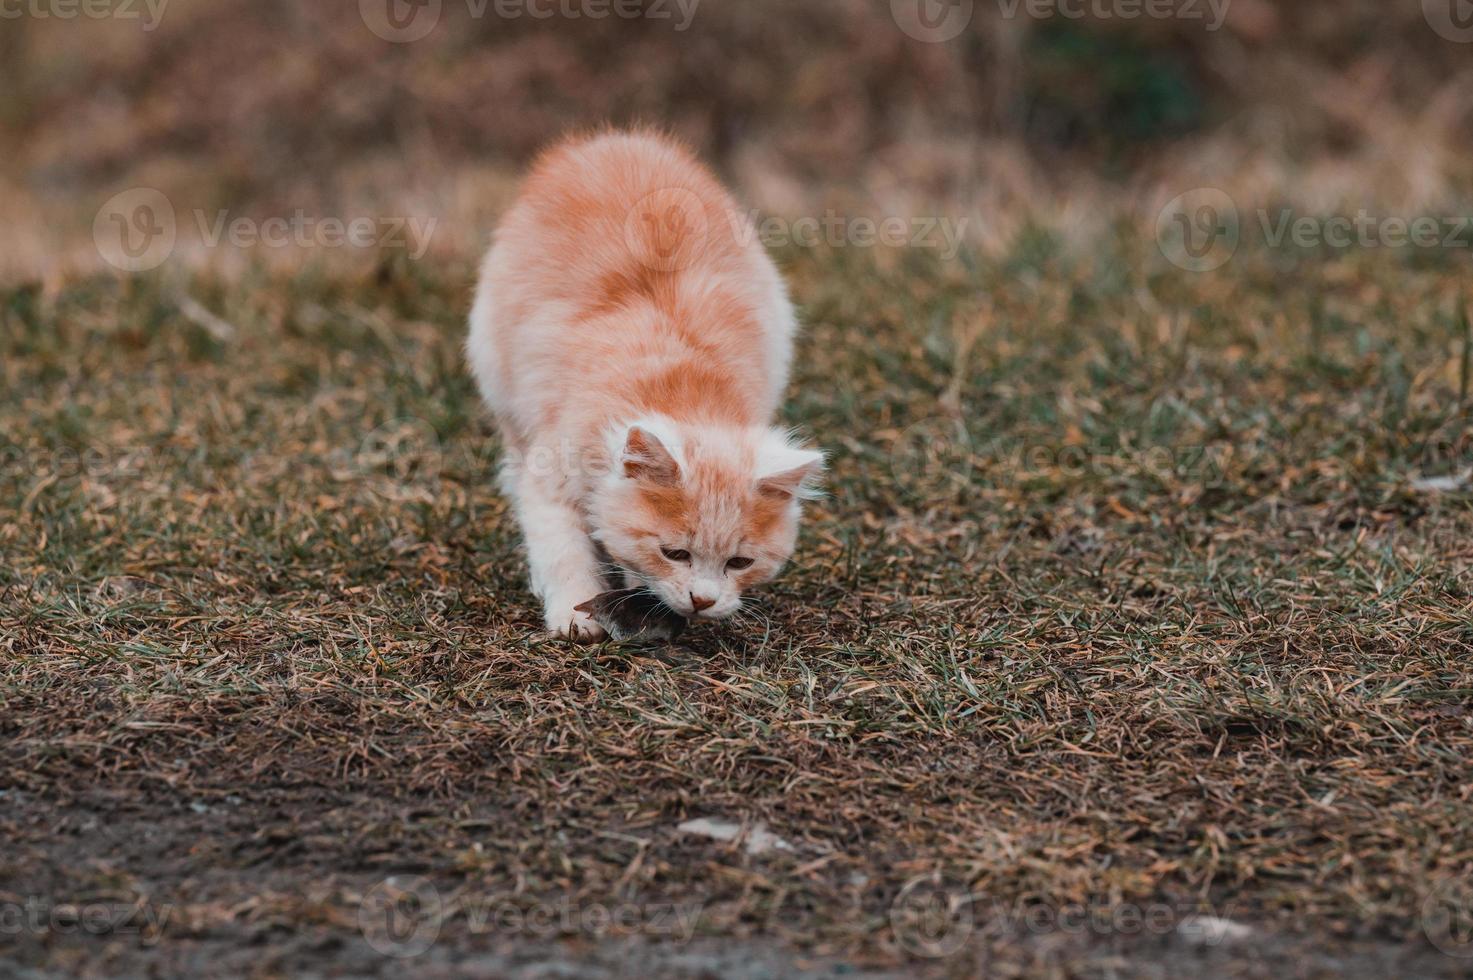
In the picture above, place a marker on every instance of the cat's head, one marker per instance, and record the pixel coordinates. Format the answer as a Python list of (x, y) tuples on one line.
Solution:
[(701, 514)]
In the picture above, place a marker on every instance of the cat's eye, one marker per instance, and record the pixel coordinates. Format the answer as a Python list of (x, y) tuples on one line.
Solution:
[(739, 564), (676, 554)]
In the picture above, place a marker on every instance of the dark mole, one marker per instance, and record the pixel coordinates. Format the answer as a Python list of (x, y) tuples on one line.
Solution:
[(634, 614)]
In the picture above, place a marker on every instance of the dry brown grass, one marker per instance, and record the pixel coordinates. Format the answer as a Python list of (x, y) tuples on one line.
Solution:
[(1124, 595)]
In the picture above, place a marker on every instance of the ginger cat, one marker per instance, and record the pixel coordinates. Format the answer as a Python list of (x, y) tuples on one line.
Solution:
[(634, 345)]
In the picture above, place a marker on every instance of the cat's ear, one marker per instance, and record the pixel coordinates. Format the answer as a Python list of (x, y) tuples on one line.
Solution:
[(646, 458), (787, 472)]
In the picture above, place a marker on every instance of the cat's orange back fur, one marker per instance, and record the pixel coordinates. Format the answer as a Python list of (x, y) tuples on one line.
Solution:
[(633, 339)]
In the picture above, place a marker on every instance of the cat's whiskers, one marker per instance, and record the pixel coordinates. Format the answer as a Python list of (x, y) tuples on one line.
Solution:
[(758, 620)]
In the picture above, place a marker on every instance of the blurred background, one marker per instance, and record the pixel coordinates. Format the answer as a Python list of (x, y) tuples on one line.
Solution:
[(1063, 114)]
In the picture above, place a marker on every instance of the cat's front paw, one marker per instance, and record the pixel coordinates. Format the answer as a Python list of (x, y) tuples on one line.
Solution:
[(567, 623)]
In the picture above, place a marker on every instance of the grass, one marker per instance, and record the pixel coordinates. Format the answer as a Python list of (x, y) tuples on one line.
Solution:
[(1125, 593)]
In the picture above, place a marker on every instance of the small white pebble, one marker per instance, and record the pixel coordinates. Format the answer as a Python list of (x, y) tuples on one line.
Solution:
[(1209, 930), (759, 840)]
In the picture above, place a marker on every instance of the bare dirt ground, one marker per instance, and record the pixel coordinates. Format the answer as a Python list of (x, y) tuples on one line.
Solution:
[(271, 886)]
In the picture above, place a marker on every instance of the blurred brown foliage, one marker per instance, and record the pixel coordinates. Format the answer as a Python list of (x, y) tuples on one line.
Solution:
[(273, 104)]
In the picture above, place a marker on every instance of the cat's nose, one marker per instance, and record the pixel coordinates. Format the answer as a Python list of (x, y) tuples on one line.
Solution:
[(700, 603)]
